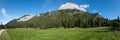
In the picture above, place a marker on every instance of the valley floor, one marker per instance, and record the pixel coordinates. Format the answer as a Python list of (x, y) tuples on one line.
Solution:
[(100, 33)]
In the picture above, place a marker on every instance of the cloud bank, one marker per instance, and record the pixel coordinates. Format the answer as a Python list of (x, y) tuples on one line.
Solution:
[(85, 6), (69, 5)]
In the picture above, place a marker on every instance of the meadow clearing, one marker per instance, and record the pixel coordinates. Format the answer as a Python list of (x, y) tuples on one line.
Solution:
[(101, 33)]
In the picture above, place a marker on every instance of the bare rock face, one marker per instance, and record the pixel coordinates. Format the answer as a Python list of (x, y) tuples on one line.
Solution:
[(69, 5), (25, 18)]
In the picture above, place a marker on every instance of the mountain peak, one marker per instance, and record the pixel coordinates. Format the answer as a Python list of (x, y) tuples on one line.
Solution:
[(70, 5)]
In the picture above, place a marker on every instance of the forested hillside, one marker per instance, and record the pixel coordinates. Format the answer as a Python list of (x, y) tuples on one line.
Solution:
[(67, 18)]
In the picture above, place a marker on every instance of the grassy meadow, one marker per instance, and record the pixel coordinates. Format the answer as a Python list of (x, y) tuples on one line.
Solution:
[(100, 33)]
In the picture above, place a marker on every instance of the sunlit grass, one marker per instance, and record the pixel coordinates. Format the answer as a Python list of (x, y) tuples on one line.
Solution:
[(61, 34)]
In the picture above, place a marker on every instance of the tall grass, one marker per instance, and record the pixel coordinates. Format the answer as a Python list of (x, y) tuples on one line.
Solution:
[(61, 34)]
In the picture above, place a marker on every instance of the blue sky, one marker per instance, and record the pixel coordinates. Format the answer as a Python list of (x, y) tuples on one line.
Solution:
[(13, 9)]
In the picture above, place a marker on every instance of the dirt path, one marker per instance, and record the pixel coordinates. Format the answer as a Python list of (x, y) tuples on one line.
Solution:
[(1, 31)]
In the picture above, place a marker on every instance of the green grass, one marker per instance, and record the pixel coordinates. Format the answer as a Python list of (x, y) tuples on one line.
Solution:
[(60, 34)]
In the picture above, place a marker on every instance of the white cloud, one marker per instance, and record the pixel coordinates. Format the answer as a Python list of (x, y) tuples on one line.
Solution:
[(100, 13), (3, 11), (85, 6), (94, 11), (69, 5)]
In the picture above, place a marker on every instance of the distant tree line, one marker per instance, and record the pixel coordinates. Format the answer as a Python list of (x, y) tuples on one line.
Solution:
[(2, 26), (115, 24)]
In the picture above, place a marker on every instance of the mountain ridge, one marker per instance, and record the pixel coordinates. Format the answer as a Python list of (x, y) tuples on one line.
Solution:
[(67, 18)]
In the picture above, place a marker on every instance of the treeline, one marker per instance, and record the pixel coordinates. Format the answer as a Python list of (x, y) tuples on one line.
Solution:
[(115, 24), (2, 26), (63, 18)]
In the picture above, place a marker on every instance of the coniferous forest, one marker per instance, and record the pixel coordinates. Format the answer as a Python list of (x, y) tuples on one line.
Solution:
[(68, 18)]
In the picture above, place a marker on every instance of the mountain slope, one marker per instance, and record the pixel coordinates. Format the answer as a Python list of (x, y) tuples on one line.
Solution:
[(25, 18), (67, 18)]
